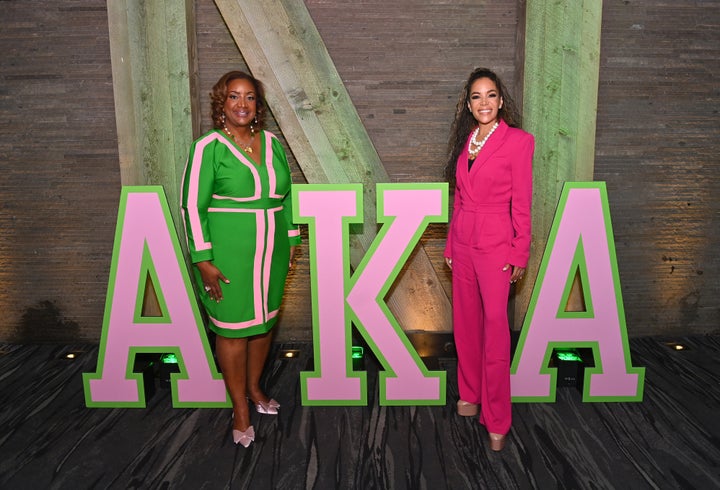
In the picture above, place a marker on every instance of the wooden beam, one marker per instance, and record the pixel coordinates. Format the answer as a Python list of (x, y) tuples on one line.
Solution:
[(152, 53), (282, 47), (149, 48), (561, 76)]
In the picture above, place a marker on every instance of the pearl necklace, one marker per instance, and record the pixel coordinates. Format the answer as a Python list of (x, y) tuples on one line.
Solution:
[(479, 145), (247, 147)]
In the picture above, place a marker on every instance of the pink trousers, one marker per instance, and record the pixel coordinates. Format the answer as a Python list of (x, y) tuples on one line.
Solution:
[(482, 334)]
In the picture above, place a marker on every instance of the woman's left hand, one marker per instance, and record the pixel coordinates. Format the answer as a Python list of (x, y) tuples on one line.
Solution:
[(517, 272), (212, 277)]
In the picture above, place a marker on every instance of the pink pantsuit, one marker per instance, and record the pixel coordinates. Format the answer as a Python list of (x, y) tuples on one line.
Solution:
[(490, 227)]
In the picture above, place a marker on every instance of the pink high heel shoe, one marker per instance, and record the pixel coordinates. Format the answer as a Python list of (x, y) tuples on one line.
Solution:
[(269, 408), (244, 437)]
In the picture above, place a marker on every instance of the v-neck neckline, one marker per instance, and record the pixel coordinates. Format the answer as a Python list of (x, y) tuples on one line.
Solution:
[(261, 138)]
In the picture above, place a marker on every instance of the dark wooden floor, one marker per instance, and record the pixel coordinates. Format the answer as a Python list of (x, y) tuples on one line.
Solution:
[(49, 439)]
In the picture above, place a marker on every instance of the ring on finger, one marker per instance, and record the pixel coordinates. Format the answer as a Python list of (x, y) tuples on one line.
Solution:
[(207, 288)]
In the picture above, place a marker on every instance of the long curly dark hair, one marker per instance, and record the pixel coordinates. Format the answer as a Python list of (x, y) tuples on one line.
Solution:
[(219, 94), (464, 121)]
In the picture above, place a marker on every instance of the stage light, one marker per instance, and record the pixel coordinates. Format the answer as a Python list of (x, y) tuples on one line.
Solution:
[(70, 356), (676, 346), (169, 359), (168, 365), (568, 355), (570, 367), (148, 364), (289, 354), (357, 358)]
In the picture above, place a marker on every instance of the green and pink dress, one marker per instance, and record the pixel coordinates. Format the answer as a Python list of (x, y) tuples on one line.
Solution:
[(238, 214)]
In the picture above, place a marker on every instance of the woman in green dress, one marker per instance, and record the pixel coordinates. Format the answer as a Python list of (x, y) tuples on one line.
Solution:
[(238, 221)]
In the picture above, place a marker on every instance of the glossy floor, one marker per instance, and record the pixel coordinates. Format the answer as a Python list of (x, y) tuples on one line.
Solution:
[(49, 439)]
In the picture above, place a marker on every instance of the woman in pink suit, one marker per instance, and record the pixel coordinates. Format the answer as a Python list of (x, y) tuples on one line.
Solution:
[(488, 245)]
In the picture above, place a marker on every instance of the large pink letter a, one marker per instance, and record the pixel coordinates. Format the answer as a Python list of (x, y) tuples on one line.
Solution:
[(146, 245), (581, 240)]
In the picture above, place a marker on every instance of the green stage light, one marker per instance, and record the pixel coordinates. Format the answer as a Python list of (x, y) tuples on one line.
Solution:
[(570, 367), (357, 352), (169, 359), (568, 355), (357, 358), (167, 366)]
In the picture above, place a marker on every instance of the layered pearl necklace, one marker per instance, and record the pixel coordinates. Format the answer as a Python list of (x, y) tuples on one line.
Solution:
[(247, 147), (478, 145)]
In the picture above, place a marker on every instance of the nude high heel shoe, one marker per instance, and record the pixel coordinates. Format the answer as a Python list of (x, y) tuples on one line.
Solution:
[(466, 409), (497, 441)]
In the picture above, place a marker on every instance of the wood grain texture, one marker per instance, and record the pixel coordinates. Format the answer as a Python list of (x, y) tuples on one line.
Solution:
[(403, 63), (59, 188), (151, 78), (657, 149), (669, 440), (327, 137), (562, 57)]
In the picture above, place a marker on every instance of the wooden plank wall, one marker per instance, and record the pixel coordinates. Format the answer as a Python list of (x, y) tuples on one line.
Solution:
[(658, 149), (59, 188), (403, 63)]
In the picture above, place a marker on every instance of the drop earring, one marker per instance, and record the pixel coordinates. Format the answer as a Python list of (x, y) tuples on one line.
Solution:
[(225, 128)]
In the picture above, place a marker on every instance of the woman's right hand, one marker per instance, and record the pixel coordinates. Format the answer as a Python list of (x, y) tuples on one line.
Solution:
[(448, 261), (211, 277)]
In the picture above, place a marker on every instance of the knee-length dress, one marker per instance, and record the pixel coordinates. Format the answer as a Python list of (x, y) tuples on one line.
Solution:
[(238, 214)]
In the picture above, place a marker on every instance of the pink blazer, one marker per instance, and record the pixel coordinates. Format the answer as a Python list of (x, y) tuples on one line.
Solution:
[(492, 201)]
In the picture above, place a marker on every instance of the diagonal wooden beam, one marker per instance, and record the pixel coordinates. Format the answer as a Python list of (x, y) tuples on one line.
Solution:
[(282, 47)]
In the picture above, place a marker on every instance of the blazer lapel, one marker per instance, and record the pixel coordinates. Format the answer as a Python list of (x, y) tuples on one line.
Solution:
[(491, 145), (461, 171)]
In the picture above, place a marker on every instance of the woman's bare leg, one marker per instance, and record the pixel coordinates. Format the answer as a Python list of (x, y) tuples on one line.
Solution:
[(258, 348), (232, 356)]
